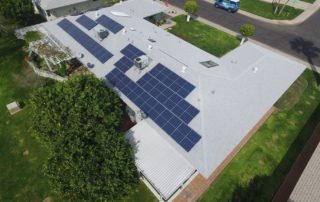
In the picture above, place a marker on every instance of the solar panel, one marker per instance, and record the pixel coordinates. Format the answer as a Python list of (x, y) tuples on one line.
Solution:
[(87, 22), (132, 52), (87, 42), (124, 64), (110, 24), (172, 80), (175, 127)]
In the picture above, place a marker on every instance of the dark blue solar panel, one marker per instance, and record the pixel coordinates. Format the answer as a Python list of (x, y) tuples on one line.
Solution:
[(172, 80), (124, 64), (87, 42), (87, 22), (132, 52), (174, 126), (110, 24)]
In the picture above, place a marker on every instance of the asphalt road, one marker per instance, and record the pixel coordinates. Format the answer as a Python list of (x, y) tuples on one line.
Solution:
[(301, 41)]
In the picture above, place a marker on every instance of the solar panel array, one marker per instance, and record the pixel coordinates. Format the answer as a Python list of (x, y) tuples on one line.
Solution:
[(110, 24), (124, 64), (86, 41), (170, 99), (131, 52), (172, 80), (163, 117), (87, 22)]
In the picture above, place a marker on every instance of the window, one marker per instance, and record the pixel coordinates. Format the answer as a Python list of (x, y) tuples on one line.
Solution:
[(209, 64)]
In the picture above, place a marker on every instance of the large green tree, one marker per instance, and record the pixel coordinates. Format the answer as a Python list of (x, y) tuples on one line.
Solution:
[(16, 9), (90, 160)]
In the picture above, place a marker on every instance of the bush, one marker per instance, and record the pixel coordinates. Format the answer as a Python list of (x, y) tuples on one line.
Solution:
[(191, 6), (32, 36), (247, 30)]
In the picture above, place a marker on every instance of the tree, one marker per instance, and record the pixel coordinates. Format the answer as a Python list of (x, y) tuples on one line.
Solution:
[(191, 8), (16, 9), (247, 30), (78, 121)]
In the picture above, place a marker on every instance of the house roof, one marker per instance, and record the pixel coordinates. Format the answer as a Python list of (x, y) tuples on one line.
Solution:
[(232, 96), (51, 4), (166, 168)]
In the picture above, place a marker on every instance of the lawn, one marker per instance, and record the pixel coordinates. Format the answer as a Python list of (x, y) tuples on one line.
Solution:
[(309, 1), (207, 38), (259, 168), (265, 9), (22, 157)]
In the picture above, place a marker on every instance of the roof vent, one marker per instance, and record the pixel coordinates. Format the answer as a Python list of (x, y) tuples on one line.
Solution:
[(150, 47), (80, 55), (90, 65), (141, 62), (152, 40), (255, 69), (183, 70), (97, 14), (132, 29)]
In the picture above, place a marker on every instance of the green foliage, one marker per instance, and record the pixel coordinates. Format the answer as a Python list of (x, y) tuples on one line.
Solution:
[(16, 9), (79, 122), (32, 36), (247, 30), (191, 6)]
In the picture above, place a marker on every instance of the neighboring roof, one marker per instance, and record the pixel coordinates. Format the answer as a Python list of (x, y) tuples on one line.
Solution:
[(232, 96), (158, 160), (51, 4), (308, 187)]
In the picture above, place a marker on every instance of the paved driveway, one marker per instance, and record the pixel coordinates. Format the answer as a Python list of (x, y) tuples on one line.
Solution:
[(301, 41)]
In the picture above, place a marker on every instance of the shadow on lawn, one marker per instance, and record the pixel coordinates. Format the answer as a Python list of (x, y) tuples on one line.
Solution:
[(264, 188), (309, 50)]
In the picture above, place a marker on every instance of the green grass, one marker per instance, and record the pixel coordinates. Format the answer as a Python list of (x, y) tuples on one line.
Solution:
[(309, 1), (265, 9), (258, 169), (21, 178), (204, 36), (143, 194), (32, 36)]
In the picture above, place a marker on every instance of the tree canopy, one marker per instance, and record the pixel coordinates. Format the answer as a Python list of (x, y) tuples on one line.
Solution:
[(16, 9), (247, 30), (191, 6), (78, 121)]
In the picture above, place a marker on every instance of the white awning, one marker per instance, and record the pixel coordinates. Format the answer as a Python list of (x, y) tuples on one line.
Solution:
[(159, 162)]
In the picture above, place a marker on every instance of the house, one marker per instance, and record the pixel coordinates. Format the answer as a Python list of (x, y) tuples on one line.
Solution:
[(193, 110), (52, 9)]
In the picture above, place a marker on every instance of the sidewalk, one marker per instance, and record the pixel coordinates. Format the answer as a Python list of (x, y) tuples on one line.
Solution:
[(309, 9)]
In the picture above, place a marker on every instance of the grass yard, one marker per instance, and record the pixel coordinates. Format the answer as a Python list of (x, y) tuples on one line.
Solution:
[(21, 156), (309, 1), (265, 9), (207, 38), (260, 167)]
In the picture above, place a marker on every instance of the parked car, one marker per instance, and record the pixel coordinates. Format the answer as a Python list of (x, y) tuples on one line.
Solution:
[(229, 5)]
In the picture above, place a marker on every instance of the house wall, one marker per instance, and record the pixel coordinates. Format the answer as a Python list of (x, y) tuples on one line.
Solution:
[(73, 9)]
